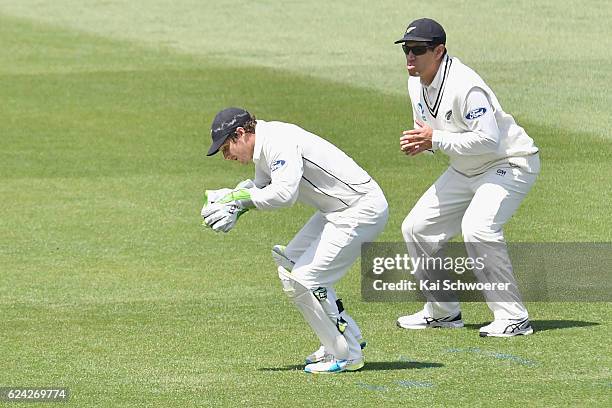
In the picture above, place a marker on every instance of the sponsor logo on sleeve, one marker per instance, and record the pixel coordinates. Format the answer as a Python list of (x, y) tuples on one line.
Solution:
[(277, 165), (475, 113)]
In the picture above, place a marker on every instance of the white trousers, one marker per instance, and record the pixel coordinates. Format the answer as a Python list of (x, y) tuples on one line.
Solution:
[(328, 245), (478, 207)]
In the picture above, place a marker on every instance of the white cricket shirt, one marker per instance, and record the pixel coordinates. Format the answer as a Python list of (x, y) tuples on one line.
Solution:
[(468, 122), (293, 164)]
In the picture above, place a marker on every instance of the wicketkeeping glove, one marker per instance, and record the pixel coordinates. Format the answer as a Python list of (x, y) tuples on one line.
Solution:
[(221, 217), (223, 214), (212, 196)]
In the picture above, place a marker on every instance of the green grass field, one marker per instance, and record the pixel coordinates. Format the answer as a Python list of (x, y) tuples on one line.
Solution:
[(110, 286)]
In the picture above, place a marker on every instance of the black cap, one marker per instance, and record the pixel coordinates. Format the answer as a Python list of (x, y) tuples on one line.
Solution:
[(225, 123), (424, 29)]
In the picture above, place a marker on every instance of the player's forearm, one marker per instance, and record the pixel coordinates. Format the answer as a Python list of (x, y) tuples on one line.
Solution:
[(275, 195), (466, 143)]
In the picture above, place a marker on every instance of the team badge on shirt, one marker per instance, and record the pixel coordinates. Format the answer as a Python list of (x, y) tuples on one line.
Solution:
[(475, 113), (277, 165)]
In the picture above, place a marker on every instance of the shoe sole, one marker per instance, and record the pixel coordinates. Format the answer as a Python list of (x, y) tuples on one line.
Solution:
[(354, 367), (522, 333), (448, 325)]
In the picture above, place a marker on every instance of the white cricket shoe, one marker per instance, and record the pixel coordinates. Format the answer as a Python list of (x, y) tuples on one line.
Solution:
[(335, 366), (321, 355), (507, 328), (420, 321)]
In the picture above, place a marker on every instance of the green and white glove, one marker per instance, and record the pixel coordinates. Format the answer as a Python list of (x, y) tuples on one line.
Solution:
[(241, 197), (212, 196), (223, 214)]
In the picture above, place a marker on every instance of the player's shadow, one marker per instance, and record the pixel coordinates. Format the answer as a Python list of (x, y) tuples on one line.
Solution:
[(369, 366), (543, 325), (399, 365)]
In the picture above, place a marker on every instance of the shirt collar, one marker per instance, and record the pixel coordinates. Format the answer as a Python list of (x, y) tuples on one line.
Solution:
[(435, 84)]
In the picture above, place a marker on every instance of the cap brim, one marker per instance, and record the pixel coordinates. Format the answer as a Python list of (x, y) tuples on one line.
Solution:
[(216, 146), (413, 38)]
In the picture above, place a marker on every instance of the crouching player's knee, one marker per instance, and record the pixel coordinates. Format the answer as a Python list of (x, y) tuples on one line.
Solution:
[(413, 228), (479, 232), (279, 254)]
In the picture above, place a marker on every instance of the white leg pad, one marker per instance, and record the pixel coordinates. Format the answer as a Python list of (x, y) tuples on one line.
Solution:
[(353, 328), (310, 307)]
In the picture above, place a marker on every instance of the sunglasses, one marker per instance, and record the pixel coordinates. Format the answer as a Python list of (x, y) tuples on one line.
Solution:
[(417, 49)]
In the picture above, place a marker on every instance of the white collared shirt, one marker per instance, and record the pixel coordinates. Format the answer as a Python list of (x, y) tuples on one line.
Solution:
[(293, 164), (468, 122)]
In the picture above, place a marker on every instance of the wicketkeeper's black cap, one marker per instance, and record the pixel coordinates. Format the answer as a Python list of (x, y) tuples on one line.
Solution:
[(225, 123), (424, 29)]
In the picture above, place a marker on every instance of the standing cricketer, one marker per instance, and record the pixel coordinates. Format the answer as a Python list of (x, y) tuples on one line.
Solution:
[(493, 164), (293, 164)]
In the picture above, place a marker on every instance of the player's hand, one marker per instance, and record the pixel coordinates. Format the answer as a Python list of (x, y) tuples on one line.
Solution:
[(212, 196), (417, 140), (240, 197), (222, 217), (223, 214)]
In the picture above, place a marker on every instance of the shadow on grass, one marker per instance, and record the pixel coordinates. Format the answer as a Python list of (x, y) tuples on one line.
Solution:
[(543, 325), (398, 365), (369, 366)]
